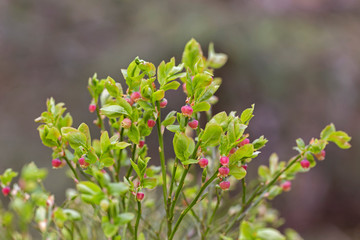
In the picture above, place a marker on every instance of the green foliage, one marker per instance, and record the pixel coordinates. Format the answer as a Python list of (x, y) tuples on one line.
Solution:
[(112, 174)]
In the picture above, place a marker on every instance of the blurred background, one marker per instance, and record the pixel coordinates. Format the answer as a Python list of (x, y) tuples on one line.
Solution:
[(298, 61)]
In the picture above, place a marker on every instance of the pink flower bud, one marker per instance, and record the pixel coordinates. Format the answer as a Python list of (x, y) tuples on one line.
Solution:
[(135, 96), (224, 171), (286, 186), (83, 163), (56, 163), (244, 166), (151, 123), (224, 160), (305, 164), (193, 124), (244, 142), (233, 150), (141, 143), (187, 110), (321, 156), (6, 191), (203, 162), (126, 123), (163, 102), (140, 196), (131, 102), (92, 108), (224, 185)]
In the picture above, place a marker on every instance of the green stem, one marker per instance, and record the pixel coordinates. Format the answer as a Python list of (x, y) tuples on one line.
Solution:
[(218, 198), (183, 213), (250, 204), (133, 159), (162, 159), (118, 165), (137, 220), (99, 118), (243, 192), (72, 168)]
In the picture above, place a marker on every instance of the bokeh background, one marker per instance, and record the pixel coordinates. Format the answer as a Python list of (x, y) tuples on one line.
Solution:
[(299, 61)]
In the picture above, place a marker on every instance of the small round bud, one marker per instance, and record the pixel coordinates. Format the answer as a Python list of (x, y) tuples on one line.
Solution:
[(224, 171), (56, 163), (233, 150), (131, 102), (244, 166), (305, 163), (163, 102), (321, 156), (244, 142), (126, 123), (187, 110), (286, 186), (184, 88), (92, 108), (224, 185), (224, 160), (104, 204), (151, 123), (83, 163), (135, 96), (140, 196), (141, 143), (203, 162), (193, 124), (6, 191)]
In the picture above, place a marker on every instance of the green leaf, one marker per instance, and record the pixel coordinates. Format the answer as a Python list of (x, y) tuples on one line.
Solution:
[(7, 176), (134, 134), (237, 172), (245, 151), (269, 234), (216, 60), (158, 95), (72, 214), (86, 187), (340, 138), (190, 161), (125, 218), (201, 80), (183, 146), (212, 135), (169, 119), (220, 119), (149, 182), (192, 54), (246, 231), (109, 229), (201, 107), (259, 143), (264, 172), (107, 161), (112, 88), (118, 189), (300, 143), (113, 111), (247, 114), (173, 128), (121, 145), (85, 130), (327, 131), (136, 168), (125, 105), (105, 142), (74, 136), (171, 85)]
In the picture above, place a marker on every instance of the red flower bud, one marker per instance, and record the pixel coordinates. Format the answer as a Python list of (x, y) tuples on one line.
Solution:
[(187, 110), (224, 171), (151, 123), (286, 186), (163, 102), (141, 143), (6, 191), (83, 163), (193, 124), (135, 96), (305, 164), (224, 160), (203, 162), (56, 163), (92, 108), (244, 142), (224, 185), (140, 196)]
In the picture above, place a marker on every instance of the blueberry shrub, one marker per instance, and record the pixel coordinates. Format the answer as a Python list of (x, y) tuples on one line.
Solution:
[(118, 191)]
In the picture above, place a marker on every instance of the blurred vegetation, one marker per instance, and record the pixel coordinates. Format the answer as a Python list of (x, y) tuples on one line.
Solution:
[(298, 61)]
